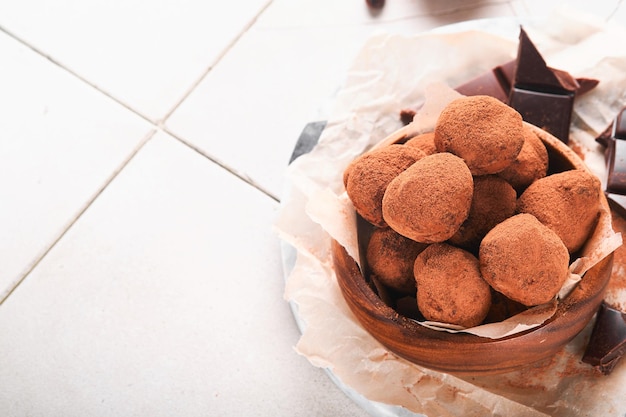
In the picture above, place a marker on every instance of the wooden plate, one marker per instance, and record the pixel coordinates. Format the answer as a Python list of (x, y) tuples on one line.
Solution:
[(465, 353)]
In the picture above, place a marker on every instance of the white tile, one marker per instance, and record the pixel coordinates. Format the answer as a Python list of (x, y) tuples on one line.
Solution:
[(146, 54), (163, 299), (619, 16), (601, 9), (60, 141), (249, 110)]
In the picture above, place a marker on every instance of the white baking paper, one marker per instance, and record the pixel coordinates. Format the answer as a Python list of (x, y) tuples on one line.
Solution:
[(390, 73)]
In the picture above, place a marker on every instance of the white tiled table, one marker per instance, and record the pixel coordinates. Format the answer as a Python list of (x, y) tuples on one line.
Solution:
[(142, 146)]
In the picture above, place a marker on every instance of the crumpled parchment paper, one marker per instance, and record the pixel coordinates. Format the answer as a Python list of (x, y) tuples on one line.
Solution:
[(392, 72)]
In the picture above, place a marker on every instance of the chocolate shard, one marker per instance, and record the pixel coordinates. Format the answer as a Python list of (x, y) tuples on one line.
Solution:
[(543, 96), (585, 85), (616, 180), (606, 136), (614, 139), (550, 111), (619, 125), (532, 69), (567, 81), (495, 83), (407, 115), (608, 339)]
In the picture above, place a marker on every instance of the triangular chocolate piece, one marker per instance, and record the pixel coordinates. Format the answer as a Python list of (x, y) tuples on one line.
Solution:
[(532, 70), (544, 97), (586, 85)]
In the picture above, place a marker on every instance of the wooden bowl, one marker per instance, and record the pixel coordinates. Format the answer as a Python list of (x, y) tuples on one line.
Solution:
[(464, 353)]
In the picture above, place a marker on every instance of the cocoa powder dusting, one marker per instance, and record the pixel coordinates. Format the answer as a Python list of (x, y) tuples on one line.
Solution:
[(430, 200), (524, 260), (616, 292), (425, 142), (487, 134), (567, 202), (367, 177)]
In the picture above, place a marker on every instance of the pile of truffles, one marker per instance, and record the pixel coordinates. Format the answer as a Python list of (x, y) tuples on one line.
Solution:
[(467, 225)]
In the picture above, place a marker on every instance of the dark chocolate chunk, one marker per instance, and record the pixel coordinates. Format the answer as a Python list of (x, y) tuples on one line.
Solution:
[(542, 95), (608, 339), (506, 74), (407, 115), (606, 136), (619, 125), (616, 130), (566, 80), (495, 83), (616, 181), (532, 69), (551, 111)]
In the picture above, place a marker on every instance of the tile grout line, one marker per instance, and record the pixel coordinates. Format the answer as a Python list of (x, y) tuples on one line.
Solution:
[(75, 74), (161, 123), (242, 176), (615, 9), (5, 295), (158, 124), (217, 60)]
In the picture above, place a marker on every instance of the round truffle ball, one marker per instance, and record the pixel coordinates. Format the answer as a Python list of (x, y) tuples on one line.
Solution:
[(502, 308), (391, 256), (368, 175), (430, 200), (482, 130), (494, 200), (530, 165), (424, 141), (449, 286), (567, 202), (524, 260)]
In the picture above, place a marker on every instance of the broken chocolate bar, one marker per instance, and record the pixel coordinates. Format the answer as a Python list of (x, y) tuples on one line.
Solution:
[(543, 96), (495, 83), (614, 139), (616, 180), (608, 340), (606, 136), (551, 111), (619, 125)]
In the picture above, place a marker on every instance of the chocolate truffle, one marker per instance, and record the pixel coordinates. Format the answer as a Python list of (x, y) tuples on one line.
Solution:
[(449, 286), (494, 200), (391, 257), (502, 308), (367, 177), (524, 260), (425, 142), (530, 165), (567, 202), (430, 200), (486, 133)]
